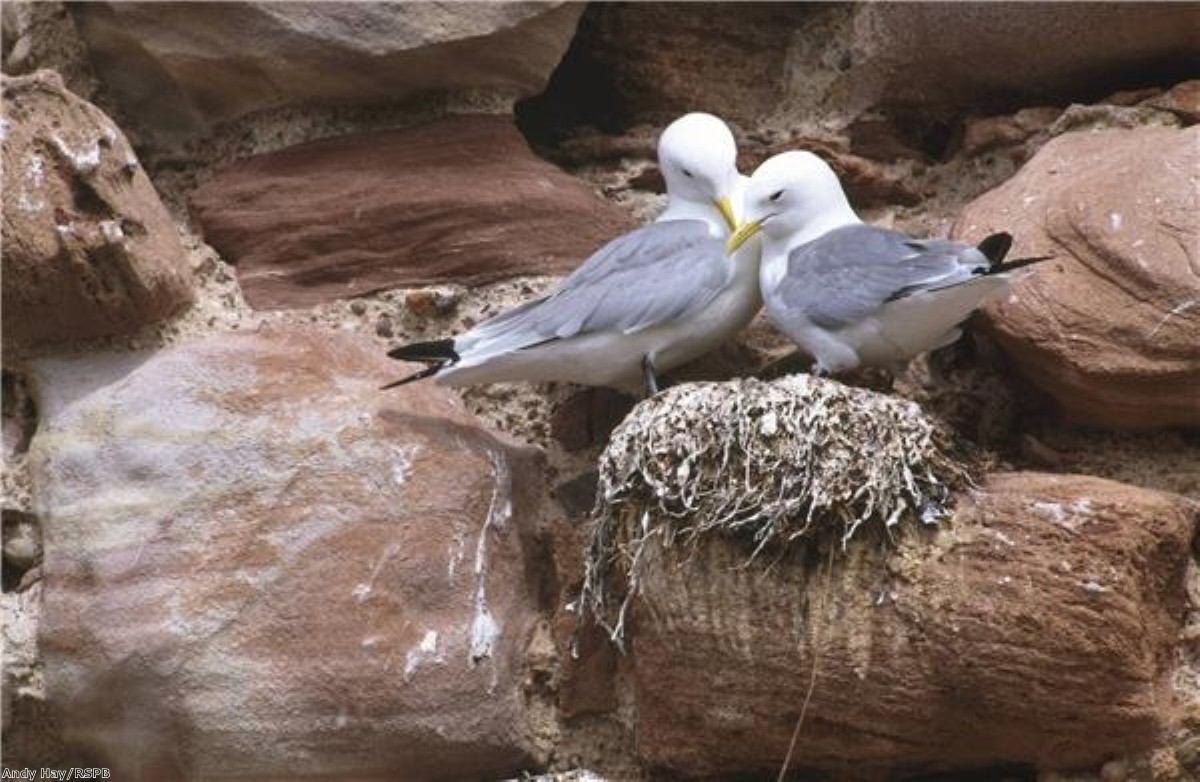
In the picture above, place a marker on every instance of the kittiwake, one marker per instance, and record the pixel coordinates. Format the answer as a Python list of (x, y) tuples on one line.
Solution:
[(854, 295), (646, 302)]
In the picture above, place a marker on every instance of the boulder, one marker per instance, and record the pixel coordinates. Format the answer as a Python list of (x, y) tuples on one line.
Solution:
[(634, 63), (184, 67), (89, 249), (780, 65), (461, 200), (1182, 100), (257, 564), (964, 54), (1037, 626), (1109, 328)]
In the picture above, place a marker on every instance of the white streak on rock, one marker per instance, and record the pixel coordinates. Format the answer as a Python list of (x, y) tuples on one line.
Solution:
[(361, 592), (1178, 309), (425, 651), (84, 161), (402, 467)]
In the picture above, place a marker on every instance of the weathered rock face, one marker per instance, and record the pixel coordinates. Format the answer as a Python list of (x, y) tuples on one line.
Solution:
[(462, 199), (1110, 328), (1037, 627), (651, 62), (185, 66), (89, 250), (971, 53), (753, 62), (254, 557)]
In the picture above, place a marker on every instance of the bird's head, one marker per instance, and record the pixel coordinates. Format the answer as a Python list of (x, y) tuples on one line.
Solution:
[(787, 194), (698, 158)]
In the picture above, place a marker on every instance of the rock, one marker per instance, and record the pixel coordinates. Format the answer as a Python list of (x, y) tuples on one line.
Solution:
[(879, 139), (867, 183), (1114, 771), (459, 200), (1109, 327), (1182, 100), (22, 544), (31, 736), (1131, 97), (89, 250), (39, 35), (1103, 117), (1037, 627), (637, 63), (588, 417), (184, 68), (433, 302), (253, 556), (988, 133), (929, 54), (779, 64)]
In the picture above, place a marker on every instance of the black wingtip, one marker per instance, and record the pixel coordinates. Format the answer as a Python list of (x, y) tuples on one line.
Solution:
[(1019, 263), (424, 373), (996, 246), (438, 351)]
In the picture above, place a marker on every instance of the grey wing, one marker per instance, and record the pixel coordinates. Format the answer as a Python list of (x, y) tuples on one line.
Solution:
[(654, 274), (852, 272)]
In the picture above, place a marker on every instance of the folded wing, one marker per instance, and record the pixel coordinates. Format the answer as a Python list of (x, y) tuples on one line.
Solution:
[(852, 272), (655, 274)]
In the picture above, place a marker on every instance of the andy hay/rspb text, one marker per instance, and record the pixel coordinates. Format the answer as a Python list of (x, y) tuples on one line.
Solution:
[(61, 774)]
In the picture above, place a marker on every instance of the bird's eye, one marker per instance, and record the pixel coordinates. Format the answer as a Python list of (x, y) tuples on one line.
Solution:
[(687, 173), (776, 195)]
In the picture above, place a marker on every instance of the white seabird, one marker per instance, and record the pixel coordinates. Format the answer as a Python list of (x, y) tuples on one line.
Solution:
[(646, 302), (853, 295)]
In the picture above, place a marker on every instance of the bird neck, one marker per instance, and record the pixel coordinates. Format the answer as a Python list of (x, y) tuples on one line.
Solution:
[(684, 209), (837, 214)]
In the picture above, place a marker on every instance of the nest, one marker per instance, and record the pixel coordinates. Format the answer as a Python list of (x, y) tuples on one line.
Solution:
[(768, 464)]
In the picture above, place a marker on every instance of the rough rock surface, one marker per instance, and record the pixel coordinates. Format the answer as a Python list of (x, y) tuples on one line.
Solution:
[(184, 66), (461, 200), (89, 250), (910, 53), (254, 556), (1110, 327), (792, 64), (953, 652), (651, 62)]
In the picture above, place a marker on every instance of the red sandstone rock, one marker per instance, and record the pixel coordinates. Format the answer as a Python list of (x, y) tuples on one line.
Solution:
[(1182, 100), (1037, 627), (460, 200), (258, 565), (89, 250), (1110, 327)]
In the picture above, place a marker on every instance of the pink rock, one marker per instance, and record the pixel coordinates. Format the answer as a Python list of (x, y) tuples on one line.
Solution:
[(258, 565), (89, 249), (1109, 328), (461, 200)]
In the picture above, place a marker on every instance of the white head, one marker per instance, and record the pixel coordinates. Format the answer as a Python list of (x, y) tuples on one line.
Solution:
[(790, 193), (698, 158)]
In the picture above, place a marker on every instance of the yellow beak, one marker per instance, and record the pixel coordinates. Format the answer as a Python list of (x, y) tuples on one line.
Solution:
[(742, 235), (726, 208)]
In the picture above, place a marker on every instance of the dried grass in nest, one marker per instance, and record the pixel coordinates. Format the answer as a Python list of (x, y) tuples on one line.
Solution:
[(768, 463)]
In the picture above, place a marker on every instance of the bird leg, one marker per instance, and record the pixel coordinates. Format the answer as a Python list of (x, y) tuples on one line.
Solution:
[(649, 375)]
